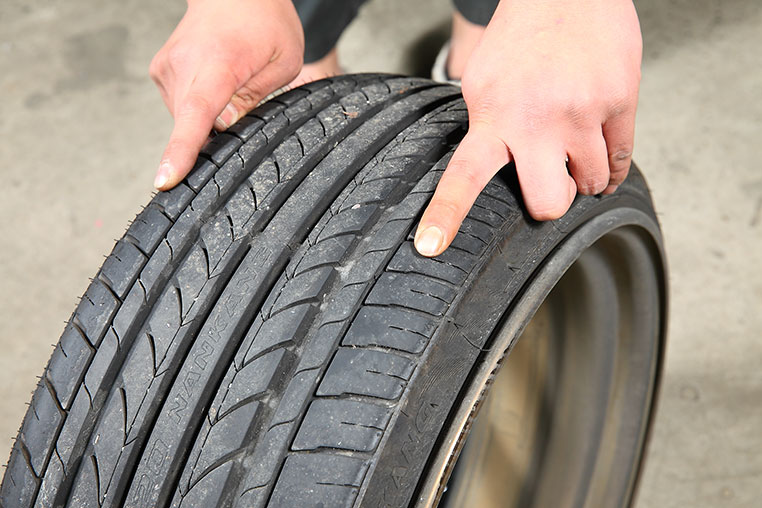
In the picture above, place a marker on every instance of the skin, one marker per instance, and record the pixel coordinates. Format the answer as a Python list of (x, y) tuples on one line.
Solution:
[(210, 77), (548, 81), (550, 85)]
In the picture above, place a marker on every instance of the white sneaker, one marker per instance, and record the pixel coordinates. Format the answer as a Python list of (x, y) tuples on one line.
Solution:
[(439, 70)]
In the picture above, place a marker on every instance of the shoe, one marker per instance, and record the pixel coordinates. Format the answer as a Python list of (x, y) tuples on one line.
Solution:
[(439, 70)]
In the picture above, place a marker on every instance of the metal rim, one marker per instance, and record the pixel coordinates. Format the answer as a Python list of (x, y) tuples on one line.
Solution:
[(564, 423)]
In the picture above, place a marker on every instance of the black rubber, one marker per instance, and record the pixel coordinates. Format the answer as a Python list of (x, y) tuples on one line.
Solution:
[(254, 338)]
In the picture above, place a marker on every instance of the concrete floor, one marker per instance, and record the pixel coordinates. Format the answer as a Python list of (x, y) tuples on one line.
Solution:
[(82, 129)]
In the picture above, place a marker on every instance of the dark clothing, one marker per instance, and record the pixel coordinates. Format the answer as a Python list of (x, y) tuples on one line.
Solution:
[(325, 20)]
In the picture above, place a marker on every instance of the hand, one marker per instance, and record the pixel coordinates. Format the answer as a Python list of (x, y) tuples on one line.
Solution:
[(548, 80), (223, 58)]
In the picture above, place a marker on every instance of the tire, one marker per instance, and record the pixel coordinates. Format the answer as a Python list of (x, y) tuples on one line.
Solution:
[(265, 334)]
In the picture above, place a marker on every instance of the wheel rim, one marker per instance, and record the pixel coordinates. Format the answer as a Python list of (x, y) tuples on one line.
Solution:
[(564, 423)]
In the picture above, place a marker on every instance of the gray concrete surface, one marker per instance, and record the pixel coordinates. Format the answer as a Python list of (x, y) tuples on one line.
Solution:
[(82, 128)]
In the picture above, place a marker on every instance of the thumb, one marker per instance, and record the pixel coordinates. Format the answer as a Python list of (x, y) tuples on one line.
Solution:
[(272, 77), (476, 160)]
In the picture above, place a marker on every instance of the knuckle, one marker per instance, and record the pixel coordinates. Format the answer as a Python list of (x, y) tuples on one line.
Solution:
[(622, 97), (620, 104), (177, 56), (579, 108), (247, 98), (155, 67), (465, 173), (590, 186), (533, 119), (471, 86), (293, 60), (197, 105)]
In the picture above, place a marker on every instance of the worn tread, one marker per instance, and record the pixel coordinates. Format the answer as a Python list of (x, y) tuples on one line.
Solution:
[(249, 341)]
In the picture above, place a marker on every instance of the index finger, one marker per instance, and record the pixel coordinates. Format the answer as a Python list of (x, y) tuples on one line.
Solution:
[(476, 160), (195, 113)]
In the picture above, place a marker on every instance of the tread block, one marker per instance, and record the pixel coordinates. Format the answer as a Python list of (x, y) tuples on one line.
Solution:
[(318, 480), (200, 174), (148, 228), (229, 174), (85, 491), (252, 380), (19, 485), (175, 200), (136, 377), (332, 119), (251, 152), (344, 302), (468, 243), (54, 475), (131, 307), (310, 134), (376, 374), (329, 251), (95, 311), (69, 360), (496, 206), (246, 126), (110, 429), (217, 237), (452, 266), (270, 450), (264, 179), (343, 424), (240, 207), (67, 439), (102, 360), (303, 288), (209, 491), (366, 192), (288, 155), (221, 147), (191, 277), (278, 331), (155, 267), (270, 110), (413, 291), (390, 327), (225, 437), (163, 325), (122, 267), (275, 124), (351, 221), (204, 202), (293, 98), (40, 427), (476, 228), (297, 391), (184, 228)]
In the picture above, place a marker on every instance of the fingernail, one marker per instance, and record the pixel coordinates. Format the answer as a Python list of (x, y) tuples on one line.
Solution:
[(429, 241), (162, 176), (228, 116)]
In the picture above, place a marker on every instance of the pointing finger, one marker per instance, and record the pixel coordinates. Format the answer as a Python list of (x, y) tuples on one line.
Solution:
[(194, 116), (476, 160)]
